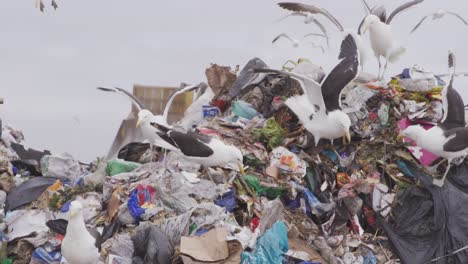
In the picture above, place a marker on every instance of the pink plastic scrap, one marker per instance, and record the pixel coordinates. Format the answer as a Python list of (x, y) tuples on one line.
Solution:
[(425, 157)]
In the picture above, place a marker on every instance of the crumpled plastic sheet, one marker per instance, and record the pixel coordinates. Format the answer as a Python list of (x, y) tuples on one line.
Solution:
[(227, 200), (28, 192), (203, 215), (61, 166), (22, 223), (121, 245), (152, 245), (284, 159), (92, 205), (313, 205), (270, 248), (430, 221), (356, 98), (272, 213)]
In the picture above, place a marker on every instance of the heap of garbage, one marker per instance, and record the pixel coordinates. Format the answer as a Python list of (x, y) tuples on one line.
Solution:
[(370, 201)]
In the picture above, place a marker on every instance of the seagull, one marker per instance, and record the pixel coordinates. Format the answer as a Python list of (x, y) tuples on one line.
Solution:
[(314, 10), (308, 19), (438, 15), (145, 116), (54, 4), (78, 246), (319, 108), (448, 139), (201, 149), (296, 42), (382, 41)]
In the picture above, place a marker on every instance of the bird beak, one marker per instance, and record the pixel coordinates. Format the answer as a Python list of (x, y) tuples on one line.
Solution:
[(400, 137), (348, 137), (241, 168), (138, 123)]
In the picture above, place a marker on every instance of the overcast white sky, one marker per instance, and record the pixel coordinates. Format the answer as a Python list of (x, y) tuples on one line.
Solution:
[(51, 63)]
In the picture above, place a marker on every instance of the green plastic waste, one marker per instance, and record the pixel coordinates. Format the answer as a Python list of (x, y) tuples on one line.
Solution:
[(270, 192), (115, 167), (7, 261), (272, 133), (243, 109)]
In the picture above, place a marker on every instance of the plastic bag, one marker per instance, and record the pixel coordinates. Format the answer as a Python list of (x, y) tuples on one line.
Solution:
[(60, 166), (272, 133), (152, 245), (227, 200), (117, 166), (244, 110), (270, 248), (28, 192), (270, 192)]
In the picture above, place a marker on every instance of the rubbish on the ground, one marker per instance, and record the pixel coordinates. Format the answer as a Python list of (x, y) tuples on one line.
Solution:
[(22, 223), (115, 167), (270, 247), (61, 166), (28, 192), (152, 245), (243, 109)]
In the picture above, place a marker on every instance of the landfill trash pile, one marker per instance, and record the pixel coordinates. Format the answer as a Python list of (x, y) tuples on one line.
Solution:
[(369, 201)]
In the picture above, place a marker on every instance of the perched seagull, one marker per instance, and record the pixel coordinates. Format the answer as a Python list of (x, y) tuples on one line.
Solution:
[(449, 139), (202, 149), (438, 15), (314, 10), (78, 246), (319, 108), (296, 42), (382, 41), (145, 117)]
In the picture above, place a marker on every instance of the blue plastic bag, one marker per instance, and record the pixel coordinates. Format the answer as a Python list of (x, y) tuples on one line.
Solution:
[(270, 248), (47, 257), (227, 200), (135, 210)]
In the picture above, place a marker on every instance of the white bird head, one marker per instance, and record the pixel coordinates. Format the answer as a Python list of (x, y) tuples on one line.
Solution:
[(343, 121), (236, 158), (144, 116), (413, 132), (369, 22), (75, 209)]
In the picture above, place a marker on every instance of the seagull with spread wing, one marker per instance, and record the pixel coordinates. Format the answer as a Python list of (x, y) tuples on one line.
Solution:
[(318, 109), (381, 36), (297, 42), (145, 117), (438, 15), (314, 10), (448, 139)]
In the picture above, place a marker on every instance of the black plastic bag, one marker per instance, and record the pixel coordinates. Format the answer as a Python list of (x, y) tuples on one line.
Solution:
[(152, 245), (431, 222), (28, 192)]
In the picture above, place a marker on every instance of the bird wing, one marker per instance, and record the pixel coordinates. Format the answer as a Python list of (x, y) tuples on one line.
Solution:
[(345, 72), (367, 7), (191, 145), (314, 34), (323, 29), (452, 102), (298, 7), (419, 24), (136, 102), (380, 12), (309, 86), (458, 139), (54, 4), (172, 97), (457, 15), (402, 8), (282, 35)]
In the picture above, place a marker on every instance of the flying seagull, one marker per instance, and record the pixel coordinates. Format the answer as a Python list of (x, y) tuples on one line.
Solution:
[(382, 41), (438, 15), (145, 117), (308, 19), (319, 108), (78, 246), (314, 10), (296, 42), (449, 139), (201, 149)]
